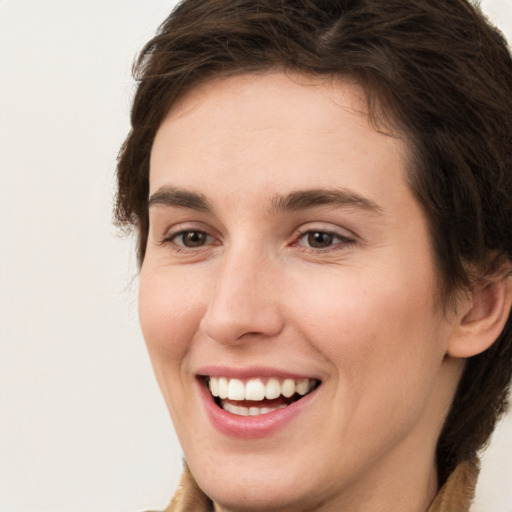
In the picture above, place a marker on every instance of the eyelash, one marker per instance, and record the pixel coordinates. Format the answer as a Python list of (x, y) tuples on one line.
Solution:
[(342, 240), (179, 247)]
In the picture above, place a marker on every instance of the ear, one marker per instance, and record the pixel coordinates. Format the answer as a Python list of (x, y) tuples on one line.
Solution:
[(482, 318)]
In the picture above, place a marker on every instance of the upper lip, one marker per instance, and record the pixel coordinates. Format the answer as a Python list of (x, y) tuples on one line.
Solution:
[(251, 373)]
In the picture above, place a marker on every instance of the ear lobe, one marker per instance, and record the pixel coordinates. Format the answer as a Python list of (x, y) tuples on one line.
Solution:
[(483, 318)]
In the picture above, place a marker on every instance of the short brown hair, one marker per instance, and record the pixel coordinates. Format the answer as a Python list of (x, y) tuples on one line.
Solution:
[(434, 69)]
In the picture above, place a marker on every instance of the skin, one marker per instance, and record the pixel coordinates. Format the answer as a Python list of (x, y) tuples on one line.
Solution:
[(358, 312)]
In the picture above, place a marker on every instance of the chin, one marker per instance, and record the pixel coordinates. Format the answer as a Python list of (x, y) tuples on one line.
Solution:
[(251, 492), (259, 481)]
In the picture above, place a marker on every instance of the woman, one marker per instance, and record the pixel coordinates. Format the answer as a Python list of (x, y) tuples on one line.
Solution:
[(322, 194)]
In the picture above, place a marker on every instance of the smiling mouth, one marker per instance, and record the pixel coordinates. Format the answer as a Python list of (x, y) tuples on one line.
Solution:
[(258, 396)]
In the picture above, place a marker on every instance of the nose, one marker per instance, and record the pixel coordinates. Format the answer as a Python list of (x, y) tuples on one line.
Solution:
[(244, 301)]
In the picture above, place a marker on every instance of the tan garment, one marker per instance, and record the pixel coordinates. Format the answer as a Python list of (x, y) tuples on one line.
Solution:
[(455, 496), (458, 492)]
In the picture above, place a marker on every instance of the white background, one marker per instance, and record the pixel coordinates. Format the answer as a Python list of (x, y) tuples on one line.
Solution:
[(82, 424)]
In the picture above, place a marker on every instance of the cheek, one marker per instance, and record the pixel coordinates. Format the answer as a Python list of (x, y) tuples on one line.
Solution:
[(170, 310), (382, 344), (378, 331)]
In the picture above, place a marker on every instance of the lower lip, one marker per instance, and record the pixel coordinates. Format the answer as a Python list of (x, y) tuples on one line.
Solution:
[(251, 427)]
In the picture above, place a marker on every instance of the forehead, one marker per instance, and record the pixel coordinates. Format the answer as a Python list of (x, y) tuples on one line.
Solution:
[(259, 123), (267, 88)]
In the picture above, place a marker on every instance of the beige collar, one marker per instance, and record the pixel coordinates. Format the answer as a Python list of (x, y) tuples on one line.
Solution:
[(457, 493)]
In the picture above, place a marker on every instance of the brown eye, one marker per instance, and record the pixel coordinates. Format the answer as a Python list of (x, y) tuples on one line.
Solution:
[(320, 239), (323, 240), (191, 238)]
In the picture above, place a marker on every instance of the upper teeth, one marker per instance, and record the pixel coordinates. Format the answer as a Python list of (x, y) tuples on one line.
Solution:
[(256, 389)]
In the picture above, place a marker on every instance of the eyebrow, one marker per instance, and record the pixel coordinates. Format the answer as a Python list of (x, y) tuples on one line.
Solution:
[(171, 196), (304, 199), (294, 201)]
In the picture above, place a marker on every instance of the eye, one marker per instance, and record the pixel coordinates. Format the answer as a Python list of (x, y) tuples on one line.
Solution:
[(191, 238), (322, 239)]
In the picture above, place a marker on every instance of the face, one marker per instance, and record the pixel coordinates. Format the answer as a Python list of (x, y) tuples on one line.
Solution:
[(287, 299)]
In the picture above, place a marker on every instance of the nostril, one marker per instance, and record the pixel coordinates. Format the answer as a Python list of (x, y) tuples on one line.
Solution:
[(240, 324)]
